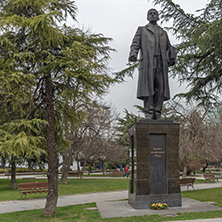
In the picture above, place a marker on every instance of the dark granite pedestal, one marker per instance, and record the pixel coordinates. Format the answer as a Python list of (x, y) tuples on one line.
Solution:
[(154, 164)]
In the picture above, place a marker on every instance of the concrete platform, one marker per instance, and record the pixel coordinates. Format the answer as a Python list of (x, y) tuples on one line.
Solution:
[(123, 209)]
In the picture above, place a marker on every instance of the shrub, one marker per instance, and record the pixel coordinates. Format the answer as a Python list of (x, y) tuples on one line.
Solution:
[(87, 168), (61, 169), (24, 169)]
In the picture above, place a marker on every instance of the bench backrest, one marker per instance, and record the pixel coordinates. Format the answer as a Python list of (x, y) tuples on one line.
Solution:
[(187, 180), (75, 172), (118, 173), (29, 186), (209, 175)]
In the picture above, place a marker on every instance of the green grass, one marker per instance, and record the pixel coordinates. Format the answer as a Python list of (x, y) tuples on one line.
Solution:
[(79, 213), (92, 185), (207, 171), (205, 181), (74, 186), (211, 195), (101, 175)]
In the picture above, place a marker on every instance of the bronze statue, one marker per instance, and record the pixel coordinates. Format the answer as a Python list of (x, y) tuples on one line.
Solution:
[(156, 55)]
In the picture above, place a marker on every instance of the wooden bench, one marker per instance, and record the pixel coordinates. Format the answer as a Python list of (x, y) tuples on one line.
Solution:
[(37, 187), (210, 176), (76, 174), (118, 173), (187, 182)]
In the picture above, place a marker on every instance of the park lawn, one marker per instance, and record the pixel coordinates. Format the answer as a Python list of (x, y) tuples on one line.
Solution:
[(101, 175), (209, 195), (74, 186), (80, 213), (205, 181)]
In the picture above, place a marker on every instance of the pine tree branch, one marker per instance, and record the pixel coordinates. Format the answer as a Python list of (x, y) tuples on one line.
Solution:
[(181, 20)]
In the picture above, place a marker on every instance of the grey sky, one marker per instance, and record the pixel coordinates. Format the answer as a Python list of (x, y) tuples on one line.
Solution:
[(119, 20)]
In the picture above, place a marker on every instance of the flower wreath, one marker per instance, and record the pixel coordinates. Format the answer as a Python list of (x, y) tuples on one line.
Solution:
[(159, 206)]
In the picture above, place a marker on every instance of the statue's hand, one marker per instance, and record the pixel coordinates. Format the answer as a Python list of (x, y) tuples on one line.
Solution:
[(132, 59)]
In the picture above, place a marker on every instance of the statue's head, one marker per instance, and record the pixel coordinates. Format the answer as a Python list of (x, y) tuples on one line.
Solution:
[(152, 15)]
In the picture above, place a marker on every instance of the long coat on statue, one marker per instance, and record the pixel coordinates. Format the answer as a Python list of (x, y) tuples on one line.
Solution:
[(144, 41)]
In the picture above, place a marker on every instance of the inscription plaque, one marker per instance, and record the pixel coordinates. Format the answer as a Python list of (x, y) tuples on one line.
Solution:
[(158, 183)]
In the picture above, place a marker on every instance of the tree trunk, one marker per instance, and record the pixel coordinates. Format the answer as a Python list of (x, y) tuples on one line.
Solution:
[(204, 168), (52, 197), (83, 167), (184, 171), (66, 166), (3, 162), (13, 175), (103, 168), (78, 168), (89, 169)]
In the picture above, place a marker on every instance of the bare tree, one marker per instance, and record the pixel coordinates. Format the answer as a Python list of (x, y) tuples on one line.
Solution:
[(200, 135), (92, 140)]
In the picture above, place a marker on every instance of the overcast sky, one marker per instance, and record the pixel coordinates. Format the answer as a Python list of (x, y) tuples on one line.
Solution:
[(119, 20)]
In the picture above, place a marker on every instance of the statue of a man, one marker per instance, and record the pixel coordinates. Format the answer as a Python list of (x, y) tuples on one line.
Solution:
[(156, 55)]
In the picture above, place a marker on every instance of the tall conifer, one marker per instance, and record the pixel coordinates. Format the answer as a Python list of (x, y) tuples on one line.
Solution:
[(199, 51), (56, 67)]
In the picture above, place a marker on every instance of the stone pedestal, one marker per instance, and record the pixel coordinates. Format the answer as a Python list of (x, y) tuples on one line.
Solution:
[(154, 149)]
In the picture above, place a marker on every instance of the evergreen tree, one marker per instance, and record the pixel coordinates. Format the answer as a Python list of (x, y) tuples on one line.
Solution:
[(199, 59), (123, 125), (53, 66), (21, 139)]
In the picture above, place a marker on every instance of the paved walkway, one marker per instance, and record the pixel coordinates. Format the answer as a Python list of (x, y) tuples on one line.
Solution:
[(20, 205)]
